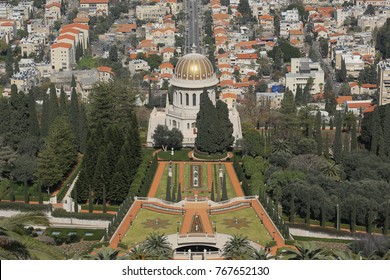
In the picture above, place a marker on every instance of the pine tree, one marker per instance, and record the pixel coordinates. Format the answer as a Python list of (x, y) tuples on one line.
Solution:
[(102, 176), (33, 126), (376, 133), (337, 146), (331, 124), (318, 133), (74, 115), (323, 125), (19, 115), (288, 105), (9, 69), (63, 106)]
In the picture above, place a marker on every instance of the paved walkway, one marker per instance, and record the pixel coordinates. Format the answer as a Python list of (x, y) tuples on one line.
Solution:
[(196, 208), (157, 178), (210, 175), (233, 178)]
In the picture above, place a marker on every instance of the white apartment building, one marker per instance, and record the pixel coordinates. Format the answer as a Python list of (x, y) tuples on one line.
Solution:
[(369, 23), (33, 44), (62, 56), (154, 13), (291, 15), (95, 7), (301, 70), (384, 82), (138, 65), (26, 79), (353, 63), (38, 26)]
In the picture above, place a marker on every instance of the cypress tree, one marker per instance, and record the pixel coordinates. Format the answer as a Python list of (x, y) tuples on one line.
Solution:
[(45, 118), (63, 106), (25, 190), (83, 129), (386, 130), (179, 193), (16, 67), (224, 126), (173, 196), (90, 202), (376, 132), (323, 212), (74, 114), (224, 190), (323, 125), (346, 146), (135, 141), (104, 199), (326, 146), (307, 210), (386, 220), (353, 216), (353, 137), (11, 193), (119, 186), (331, 124), (288, 105), (40, 198), (33, 126), (9, 69), (337, 146), (73, 82), (212, 192), (299, 98), (53, 104), (75, 198), (309, 129), (168, 190), (318, 133)]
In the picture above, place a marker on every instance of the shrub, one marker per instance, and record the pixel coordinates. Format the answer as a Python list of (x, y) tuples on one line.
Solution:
[(61, 213), (23, 207)]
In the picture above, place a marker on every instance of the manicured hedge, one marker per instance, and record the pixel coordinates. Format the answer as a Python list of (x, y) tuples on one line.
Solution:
[(23, 207), (61, 213)]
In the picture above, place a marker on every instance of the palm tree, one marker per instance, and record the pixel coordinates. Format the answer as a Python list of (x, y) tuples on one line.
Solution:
[(345, 255), (15, 244), (280, 146), (304, 251), (139, 253), (261, 255), (237, 248), (157, 246), (104, 253), (331, 170)]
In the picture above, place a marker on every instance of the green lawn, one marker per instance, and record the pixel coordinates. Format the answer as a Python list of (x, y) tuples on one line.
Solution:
[(181, 155), (203, 190), (85, 234), (253, 230), (87, 62), (162, 187), (139, 231), (229, 186)]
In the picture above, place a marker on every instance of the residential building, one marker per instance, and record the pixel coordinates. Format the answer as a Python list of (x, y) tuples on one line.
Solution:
[(153, 13), (34, 44), (105, 73), (95, 7), (301, 70), (26, 79), (62, 56), (384, 82)]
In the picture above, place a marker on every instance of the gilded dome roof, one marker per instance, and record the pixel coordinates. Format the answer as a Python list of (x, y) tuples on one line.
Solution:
[(194, 67)]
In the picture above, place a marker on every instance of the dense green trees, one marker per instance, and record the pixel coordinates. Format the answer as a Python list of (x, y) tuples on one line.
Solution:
[(214, 129), (58, 154), (382, 39), (167, 139)]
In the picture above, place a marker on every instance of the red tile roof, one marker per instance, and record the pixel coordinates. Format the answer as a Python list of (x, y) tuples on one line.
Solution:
[(61, 45)]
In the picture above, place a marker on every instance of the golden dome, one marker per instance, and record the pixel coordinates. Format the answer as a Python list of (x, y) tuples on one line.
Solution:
[(194, 67)]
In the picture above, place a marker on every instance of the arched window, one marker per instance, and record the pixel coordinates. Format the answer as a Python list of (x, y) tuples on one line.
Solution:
[(188, 125), (174, 123), (194, 99), (181, 99), (193, 125), (187, 100)]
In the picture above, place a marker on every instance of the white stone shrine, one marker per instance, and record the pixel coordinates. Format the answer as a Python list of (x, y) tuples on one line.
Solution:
[(193, 73)]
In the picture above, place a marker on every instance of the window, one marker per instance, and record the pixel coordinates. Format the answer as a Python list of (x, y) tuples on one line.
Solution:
[(174, 123), (194, 99), (181, 99), (187, 100), (188, 125)]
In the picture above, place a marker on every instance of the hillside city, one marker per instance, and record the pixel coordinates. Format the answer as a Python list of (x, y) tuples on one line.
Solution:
[(195, 129)]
